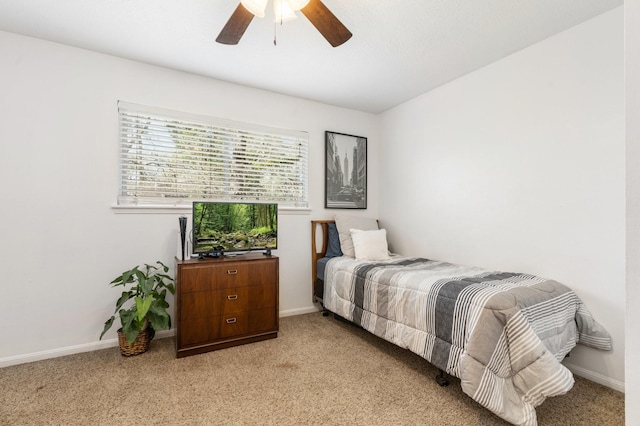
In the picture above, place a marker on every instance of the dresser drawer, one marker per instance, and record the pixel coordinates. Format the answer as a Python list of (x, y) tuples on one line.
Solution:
[(211, 329), (216, 328), (226, 275), (231, 275), (219, 302), (239, 323), (246, 298)]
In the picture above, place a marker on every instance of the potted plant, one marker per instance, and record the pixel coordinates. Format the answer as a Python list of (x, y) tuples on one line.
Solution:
[(148, 288)]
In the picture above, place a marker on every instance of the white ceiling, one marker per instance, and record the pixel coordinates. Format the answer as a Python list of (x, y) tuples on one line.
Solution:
[(399, 50)]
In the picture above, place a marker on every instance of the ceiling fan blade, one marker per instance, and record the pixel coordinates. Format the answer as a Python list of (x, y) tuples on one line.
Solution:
[(235, 26), (326, 22)]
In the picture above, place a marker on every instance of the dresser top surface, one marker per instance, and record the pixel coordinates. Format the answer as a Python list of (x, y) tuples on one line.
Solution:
[(251, 256)]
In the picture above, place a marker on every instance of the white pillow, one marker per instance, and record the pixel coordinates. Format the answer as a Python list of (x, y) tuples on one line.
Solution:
[(370, 245), (345, 223)]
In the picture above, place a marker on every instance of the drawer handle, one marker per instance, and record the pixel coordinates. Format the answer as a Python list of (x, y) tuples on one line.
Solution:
[(231, 320), (232, 271), (232, 297)]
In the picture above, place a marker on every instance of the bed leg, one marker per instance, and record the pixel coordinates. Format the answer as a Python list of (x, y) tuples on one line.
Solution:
[(324, 311), (441, 379)]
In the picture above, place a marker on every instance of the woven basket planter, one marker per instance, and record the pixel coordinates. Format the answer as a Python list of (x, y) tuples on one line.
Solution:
[(138, 346)]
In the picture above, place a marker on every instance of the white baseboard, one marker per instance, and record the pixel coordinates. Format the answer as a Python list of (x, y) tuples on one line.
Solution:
[(103, 344), (70, 350), (301, 311), (595, 377)]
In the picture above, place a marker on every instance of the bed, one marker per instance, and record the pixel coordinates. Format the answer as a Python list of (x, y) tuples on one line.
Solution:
[(503, 334)]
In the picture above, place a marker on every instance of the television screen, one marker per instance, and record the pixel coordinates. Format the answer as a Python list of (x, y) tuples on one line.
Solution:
[(230, 227)]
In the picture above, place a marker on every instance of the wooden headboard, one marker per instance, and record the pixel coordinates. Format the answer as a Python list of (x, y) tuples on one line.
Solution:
[(323, 226)]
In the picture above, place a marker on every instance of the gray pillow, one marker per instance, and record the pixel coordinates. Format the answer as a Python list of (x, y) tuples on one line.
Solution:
[(345, 223)]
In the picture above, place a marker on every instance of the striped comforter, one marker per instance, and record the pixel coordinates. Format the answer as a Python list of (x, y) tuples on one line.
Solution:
[(503, 334)]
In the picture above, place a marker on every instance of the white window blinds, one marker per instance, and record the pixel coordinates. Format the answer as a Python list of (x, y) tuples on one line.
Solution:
[(169, 157)]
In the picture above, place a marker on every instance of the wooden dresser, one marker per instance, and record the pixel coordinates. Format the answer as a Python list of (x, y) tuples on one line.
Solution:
[(225, 302)]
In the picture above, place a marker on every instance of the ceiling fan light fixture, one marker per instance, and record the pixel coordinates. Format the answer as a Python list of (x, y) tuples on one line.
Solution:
[(256, 7), (283, 11), (315, 11)]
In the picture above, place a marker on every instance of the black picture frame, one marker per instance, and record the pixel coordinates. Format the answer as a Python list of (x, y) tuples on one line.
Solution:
[(345, 171)]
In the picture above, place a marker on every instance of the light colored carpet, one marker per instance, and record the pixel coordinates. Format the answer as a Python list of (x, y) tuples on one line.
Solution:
[(318, 371)]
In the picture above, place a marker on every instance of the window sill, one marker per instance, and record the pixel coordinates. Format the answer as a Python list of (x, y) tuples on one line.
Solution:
[(166, 209)]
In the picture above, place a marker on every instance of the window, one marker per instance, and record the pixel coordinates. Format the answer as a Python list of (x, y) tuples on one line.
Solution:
[(172, 158)]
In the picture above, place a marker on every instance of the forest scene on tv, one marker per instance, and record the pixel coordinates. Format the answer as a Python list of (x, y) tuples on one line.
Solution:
[(234, 226)]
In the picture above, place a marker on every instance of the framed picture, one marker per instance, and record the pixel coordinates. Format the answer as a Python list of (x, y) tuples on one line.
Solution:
[(345, 184)]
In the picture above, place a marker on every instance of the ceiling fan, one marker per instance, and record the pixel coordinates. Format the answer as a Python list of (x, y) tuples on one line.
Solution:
[(316, 12)]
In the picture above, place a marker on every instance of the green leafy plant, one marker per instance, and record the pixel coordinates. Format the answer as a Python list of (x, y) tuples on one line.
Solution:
[(148, 289)]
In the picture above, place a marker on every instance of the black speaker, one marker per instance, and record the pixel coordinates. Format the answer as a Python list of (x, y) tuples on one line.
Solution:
[(183, 232)]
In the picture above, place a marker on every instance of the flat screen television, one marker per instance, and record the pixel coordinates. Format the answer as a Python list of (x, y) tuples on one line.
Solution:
[(221, 227)]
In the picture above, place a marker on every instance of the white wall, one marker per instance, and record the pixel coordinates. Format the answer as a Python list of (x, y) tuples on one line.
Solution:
[(62, 242), (632, 56), (520, 166)]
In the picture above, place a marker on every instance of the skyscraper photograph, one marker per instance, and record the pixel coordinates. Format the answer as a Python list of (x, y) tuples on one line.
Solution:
[(345, 171)]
